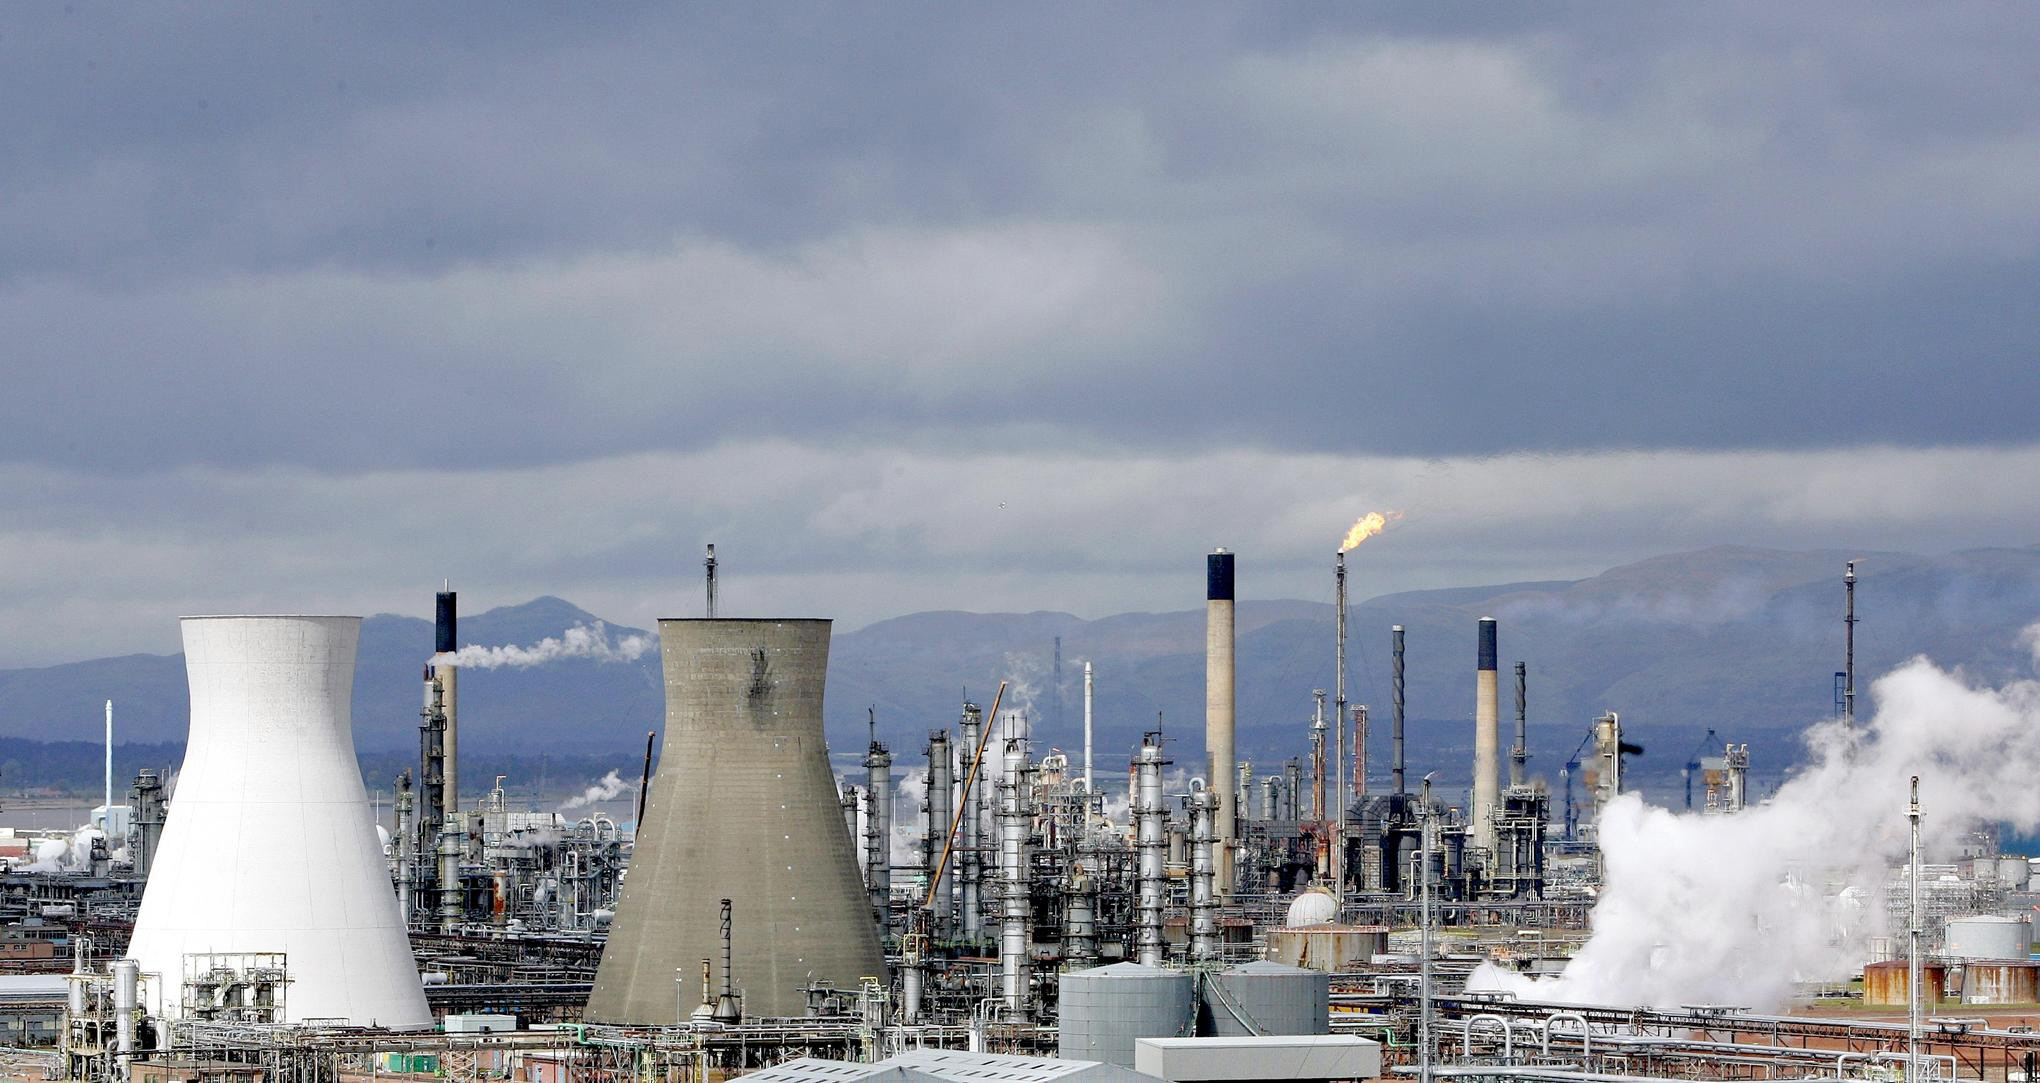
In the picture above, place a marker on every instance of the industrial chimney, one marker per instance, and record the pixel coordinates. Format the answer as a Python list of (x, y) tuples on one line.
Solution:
[(272, 848), (1218, 706), (744, 807), (445, 641), (1487, 742)]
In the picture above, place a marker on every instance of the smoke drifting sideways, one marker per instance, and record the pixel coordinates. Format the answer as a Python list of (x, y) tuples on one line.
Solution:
[(580, 641), (1734, 909), (609, 787)]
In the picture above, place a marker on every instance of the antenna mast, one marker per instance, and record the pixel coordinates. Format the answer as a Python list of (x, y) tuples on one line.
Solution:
[(708, 566)]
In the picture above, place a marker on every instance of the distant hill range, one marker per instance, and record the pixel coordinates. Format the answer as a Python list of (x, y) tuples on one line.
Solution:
[(1742, 641)]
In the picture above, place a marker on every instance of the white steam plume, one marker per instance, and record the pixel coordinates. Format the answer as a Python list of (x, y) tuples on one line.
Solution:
[(1016, 710), (610, 786), (1734, 909), (909, 822), (66, 855), (581, 641)]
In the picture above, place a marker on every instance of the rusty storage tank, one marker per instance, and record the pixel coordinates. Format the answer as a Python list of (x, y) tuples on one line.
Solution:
[(1326, 947), (1884, 984), (1991, 982)]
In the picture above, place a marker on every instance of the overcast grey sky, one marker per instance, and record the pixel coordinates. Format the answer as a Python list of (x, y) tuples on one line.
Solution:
[(931, 306)]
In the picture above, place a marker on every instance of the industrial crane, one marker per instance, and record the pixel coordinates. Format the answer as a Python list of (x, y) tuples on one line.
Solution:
[(1693, 763), (1572, 763)]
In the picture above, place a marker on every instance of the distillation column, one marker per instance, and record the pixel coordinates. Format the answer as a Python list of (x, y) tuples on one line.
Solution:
[(969, 859), (878, 832), (1203, 905), (405, 841), (941, 808), (1152, 842), (1080, 920), (1015, 911)]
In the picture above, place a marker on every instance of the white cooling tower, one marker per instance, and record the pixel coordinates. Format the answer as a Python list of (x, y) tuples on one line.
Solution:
[(271, 845)]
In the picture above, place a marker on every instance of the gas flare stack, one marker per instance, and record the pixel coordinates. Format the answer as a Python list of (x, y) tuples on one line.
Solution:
[(270, 765), (744, 807)]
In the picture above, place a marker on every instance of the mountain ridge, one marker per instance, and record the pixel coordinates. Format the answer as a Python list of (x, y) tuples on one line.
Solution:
[(1737, 639)]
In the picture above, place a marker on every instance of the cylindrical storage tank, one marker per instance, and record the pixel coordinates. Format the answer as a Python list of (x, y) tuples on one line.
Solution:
[(1265, 998), (1329, 948), (744, 807), (1105, 1010), (1989, 936), (2000, 983), (270, 845), (1884, 984), (2013, 873)]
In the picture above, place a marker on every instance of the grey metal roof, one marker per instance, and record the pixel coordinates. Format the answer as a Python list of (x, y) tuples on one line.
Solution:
[(958, 1066), (816, 1070), (947, 1066)]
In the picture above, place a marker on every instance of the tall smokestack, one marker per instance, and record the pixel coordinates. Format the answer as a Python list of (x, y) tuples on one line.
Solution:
[(107, 823), (1089, 787), (1849, 648), (445, 641), (1486, 739), (1520, 754), (1396, 684), (1339, 716), (1218, 704)]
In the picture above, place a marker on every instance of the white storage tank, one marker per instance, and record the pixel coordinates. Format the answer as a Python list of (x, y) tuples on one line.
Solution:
[(1106, 1009), (1262, 999), (1989, 936)]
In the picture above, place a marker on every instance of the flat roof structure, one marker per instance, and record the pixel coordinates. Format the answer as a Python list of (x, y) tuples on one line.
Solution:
[(1283, 1057), (947, 1066)]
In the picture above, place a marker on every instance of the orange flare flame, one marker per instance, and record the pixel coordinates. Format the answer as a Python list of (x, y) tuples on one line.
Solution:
[(1367, 526)]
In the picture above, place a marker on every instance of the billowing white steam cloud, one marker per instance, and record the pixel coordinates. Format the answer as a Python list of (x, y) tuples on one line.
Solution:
[(909, 821), (608, 787), (1735, 909), (66, 855), (581, 641)]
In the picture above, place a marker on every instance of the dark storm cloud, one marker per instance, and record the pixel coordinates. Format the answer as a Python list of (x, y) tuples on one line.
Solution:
[(473, 235)]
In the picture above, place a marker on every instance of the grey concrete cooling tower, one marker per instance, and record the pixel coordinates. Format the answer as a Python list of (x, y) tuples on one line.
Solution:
[(743, 808)]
